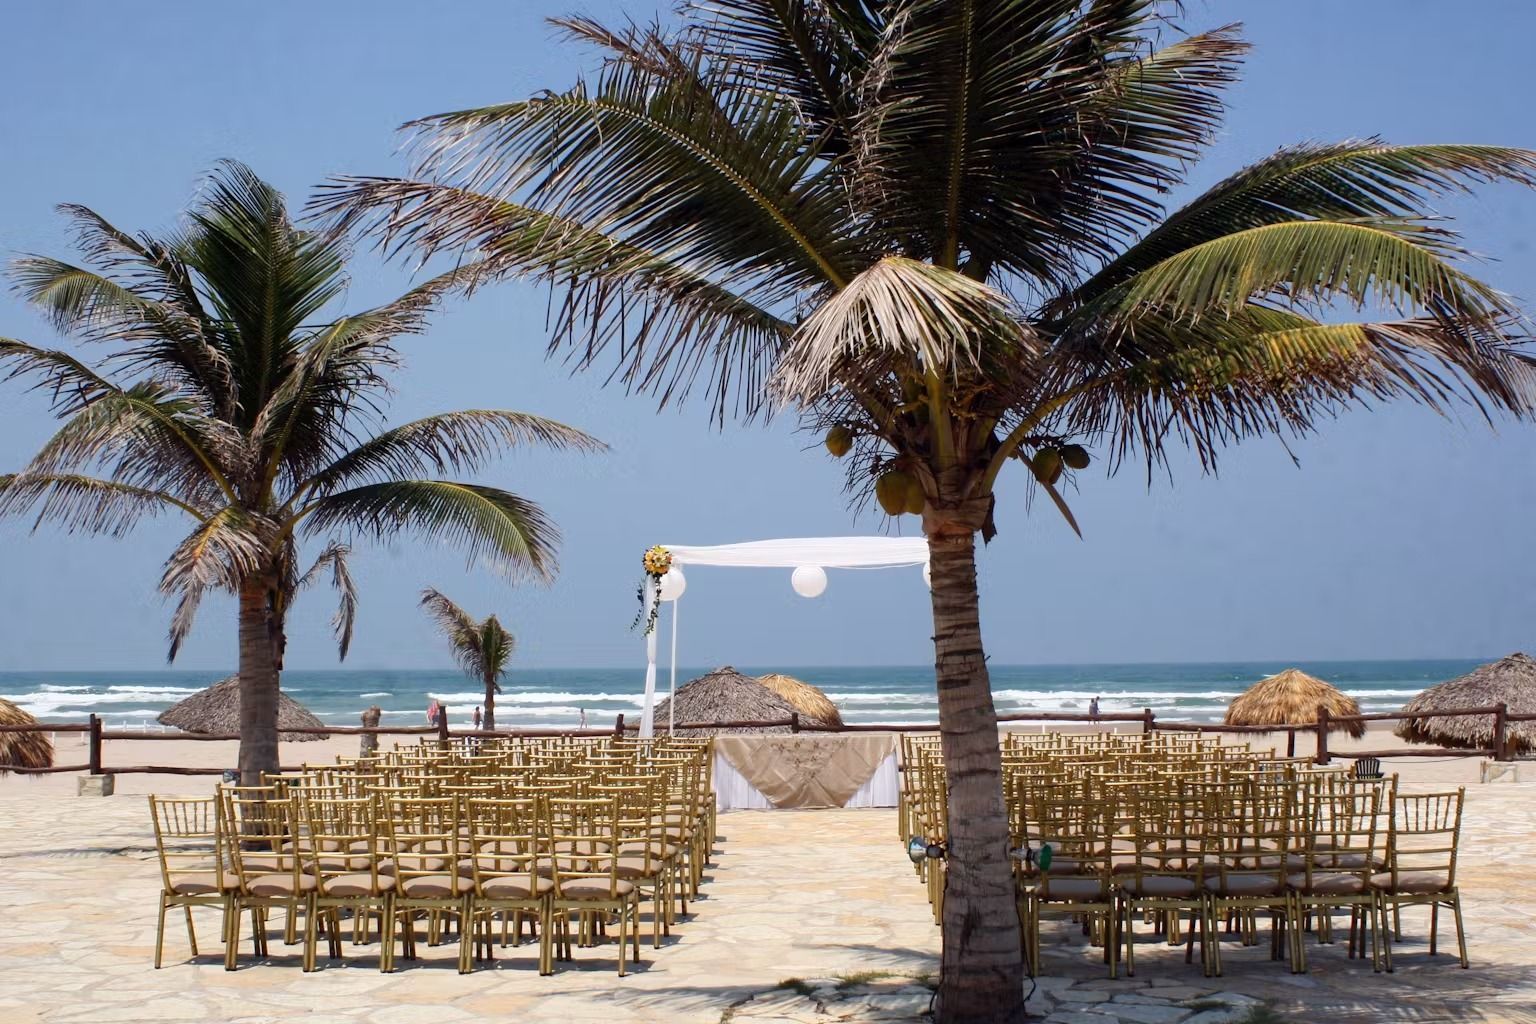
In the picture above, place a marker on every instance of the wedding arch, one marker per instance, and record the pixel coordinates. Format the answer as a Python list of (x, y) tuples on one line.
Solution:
[(808, 558)]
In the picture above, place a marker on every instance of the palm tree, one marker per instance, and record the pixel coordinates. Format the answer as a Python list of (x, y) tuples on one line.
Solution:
[(227, 397), (933, 227), (482, 647)]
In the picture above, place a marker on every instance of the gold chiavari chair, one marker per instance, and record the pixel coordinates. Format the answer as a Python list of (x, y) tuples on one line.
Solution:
[(261, 835), (424, 850), (193, 869), (1423, 835), (1340, 857), (1166, 877), (1252, 840), (1080, 881), (584, 839), (505, 835), (343, 856)]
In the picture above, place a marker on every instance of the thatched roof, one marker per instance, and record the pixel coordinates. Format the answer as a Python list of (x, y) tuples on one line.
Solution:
[(1292, 698), (724, 695), (216, 710), (1511, 681), (22, 749), (809, 700)]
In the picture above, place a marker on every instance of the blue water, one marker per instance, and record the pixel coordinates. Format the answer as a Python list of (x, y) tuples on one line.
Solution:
[(557, 698)]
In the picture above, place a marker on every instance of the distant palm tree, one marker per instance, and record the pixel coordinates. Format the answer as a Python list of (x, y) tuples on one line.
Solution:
[(228, 397), (935, 228), (482, 647)]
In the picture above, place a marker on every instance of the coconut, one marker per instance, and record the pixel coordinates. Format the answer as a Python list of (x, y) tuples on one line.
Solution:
[(916, 499), (839, 441), (1075, 456), (891, 492), (1047, 465)]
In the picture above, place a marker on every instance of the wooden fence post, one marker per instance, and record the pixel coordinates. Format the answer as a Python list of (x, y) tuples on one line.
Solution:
[(1322, 735), (618, 727), (1290, 742), (442, 724), (794, 721), (1146, 720), (95, 755), (1500, 728)]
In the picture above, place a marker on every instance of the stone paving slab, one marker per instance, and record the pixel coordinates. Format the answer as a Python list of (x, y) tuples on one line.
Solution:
[(809, 916)]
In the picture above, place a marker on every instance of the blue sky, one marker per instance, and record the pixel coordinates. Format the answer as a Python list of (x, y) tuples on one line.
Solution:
[(1401, 534)]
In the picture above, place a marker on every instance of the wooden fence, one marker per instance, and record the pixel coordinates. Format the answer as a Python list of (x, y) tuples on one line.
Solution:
[(97, 736)]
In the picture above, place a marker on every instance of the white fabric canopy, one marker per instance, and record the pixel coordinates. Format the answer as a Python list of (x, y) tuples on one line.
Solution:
[(823, 552), (827, 552)]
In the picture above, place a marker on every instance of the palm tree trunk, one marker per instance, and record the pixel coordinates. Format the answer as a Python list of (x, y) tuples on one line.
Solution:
[(490, 703), (258, 684), (983, 967)]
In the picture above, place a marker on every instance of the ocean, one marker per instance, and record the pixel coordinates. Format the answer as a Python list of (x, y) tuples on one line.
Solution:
[(557, 698)]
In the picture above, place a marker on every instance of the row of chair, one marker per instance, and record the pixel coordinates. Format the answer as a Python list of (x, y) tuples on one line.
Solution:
[(458, 840)]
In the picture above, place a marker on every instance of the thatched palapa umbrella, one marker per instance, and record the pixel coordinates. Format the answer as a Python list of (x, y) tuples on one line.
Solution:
[(1292, 698), (1510, 681), (725, 695), (22, 749), (809, 700), (216, 711)]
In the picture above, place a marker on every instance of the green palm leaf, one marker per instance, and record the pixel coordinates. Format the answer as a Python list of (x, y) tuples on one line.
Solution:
[(83, 503), (489, 524)]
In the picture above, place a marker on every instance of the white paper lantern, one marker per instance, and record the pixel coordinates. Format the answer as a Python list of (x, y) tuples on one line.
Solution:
[(673, 583), (809, 580), (928, 575)]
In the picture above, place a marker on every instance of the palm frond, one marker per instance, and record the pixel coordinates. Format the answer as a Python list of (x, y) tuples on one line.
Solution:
[(1344, 180), (83, 503), (1028, 136), (225, 549), (935, 320), (458, 442), (463, 632), (334, 558), (669, 322), (512, 533), (497, 645), (1310, 263)]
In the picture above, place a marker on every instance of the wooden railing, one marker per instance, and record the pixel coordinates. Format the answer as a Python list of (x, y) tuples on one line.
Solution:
[(97, 735)]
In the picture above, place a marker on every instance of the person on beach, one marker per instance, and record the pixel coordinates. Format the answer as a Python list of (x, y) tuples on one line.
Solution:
[(477, 716), (434, 709), (583, 717), (1093, 707)]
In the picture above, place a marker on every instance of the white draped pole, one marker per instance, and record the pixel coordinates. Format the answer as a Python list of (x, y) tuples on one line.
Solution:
[(672, 689), (647, 717)]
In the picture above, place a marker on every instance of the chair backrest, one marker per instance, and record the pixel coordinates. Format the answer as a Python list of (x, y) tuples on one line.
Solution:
[(505, 835), (342, 835), (1423, 837), (583, 837), (421, 834), (188, 841), (1367, 768), (262, 834)]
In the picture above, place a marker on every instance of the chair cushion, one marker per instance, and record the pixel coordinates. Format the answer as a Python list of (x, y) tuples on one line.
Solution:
[(595, 889), (278, 884), (659, 850), (1160, 885), (513, 887), (338, 863), (414, 862), (1328, 884), (355, 884), (635, 867), (201, 883), (1245, 885), (436, 886), (1071, 888), (1348, 860), (1413, 883)]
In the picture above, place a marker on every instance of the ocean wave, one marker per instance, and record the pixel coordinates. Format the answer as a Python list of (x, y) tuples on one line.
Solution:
[(378, 693), (53, 688)]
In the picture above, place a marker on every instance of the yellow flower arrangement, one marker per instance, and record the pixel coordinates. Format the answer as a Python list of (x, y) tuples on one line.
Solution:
[(658, 560)]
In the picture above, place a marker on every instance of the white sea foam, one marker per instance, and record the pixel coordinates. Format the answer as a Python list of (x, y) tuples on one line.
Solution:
[(379, 693)]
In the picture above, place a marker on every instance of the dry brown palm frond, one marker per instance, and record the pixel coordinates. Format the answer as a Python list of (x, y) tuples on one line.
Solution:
[(809, 700), (1510, 681), (1292, 698), (22, 749)]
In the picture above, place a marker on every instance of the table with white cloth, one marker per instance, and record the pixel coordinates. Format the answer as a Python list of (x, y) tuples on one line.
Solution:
[(767, 770)]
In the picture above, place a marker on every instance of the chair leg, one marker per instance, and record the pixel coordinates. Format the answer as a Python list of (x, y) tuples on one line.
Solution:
[(232, 937), (310, 927), (160, 934), (1434, 927), (1461, 935), (387, 936)]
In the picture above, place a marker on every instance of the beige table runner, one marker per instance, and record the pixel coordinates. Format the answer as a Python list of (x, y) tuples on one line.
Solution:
[(807, 769)]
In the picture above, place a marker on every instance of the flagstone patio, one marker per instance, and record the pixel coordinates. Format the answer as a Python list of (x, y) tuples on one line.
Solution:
[(809, 916)]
